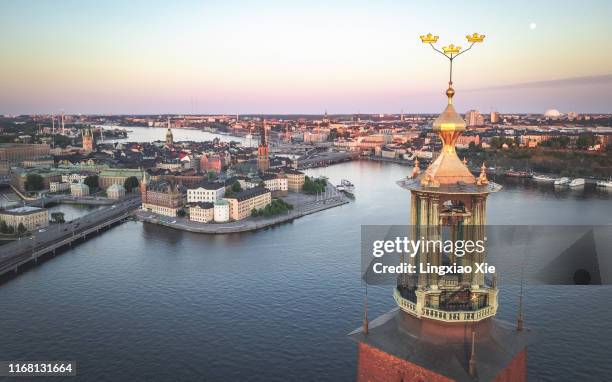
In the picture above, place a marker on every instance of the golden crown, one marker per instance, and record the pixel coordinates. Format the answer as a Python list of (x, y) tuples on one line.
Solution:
[(429, 39), (451, 49), (473, 38)]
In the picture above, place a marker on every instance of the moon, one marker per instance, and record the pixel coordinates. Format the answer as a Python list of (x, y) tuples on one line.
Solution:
[(533, 26)]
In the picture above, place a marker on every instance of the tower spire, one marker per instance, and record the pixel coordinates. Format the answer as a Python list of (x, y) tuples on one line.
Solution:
[(472, 363), (366, 323), (519, 319)]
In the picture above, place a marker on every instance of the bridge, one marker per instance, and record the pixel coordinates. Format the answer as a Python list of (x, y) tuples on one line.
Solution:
[(48, 240)]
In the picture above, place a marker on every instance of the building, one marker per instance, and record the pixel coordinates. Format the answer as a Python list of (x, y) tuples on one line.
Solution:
[(169, 136), (221, 211), (11, 154), (474, 118), (295, 179), (494, 117), (276, 183), (31, 217), (263, 150), (88, 140), (115, 191), (162, 197), (19, 176), (445, 328), (203, 212), (212, 163), (79, 190), (59, 186), (117, 176), (242, 203), (205, 192)]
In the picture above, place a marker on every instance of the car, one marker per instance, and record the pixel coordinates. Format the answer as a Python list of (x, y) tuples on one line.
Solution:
[(42, 230), (173, 221)]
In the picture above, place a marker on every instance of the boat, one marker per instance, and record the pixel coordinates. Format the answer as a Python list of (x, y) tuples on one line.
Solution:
[(564, 181), (578, 182), (347, 188), (518, 174), (544, 178), (605, 183)]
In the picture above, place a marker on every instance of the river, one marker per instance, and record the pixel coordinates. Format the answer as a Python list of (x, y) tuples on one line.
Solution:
[(142, 303)]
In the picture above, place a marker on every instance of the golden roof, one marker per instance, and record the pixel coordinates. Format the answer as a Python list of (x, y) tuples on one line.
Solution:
[(448, 169)]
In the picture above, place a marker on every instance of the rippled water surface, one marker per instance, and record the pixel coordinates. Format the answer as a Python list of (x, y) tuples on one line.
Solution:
[(144, 303)]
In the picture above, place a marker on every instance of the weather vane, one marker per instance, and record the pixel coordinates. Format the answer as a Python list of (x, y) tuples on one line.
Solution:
[(451, 52)]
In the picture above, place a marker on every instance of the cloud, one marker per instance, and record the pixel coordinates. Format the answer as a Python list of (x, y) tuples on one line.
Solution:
[(550, 84)]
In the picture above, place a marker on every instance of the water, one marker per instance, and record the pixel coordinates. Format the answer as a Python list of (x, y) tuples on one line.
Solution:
[(151, 134), (145, 303)]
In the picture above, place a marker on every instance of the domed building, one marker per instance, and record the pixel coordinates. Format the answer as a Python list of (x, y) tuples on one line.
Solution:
[(552, 114), (115, 191), (79, 189)]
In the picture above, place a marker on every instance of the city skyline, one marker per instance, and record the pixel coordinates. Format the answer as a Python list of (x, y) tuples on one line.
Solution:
[(299, 58)]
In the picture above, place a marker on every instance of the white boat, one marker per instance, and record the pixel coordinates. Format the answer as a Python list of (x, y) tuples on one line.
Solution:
[(604, 183), (544, 178), (578, 182), (562, 181)]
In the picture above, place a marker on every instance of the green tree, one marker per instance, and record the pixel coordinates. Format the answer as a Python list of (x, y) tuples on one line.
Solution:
[(236, 186), (34, 182), (3, 227), (181, 213), (313, 186), (254, 212), (585, 141), (57, 217), (21, 229), (130, 183), (92, 181)]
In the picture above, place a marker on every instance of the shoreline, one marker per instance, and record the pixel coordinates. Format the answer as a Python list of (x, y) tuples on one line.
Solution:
[(246, 225)]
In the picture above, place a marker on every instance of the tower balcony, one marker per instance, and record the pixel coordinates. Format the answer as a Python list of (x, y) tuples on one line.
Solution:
[(420, 310)]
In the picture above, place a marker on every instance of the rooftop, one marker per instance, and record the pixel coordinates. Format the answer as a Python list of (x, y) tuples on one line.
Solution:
[(25, 210)]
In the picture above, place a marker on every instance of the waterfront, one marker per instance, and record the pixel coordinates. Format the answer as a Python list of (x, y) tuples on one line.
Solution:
[(151, 134), (143, 302)]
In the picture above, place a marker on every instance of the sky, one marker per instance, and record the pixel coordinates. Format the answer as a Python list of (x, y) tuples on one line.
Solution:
[(284, 57)]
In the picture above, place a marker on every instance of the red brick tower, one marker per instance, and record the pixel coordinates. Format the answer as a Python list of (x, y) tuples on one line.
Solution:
[(263, 150)]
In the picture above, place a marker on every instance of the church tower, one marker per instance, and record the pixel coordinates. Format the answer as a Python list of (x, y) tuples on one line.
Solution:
[(169, 136), (88, 140), (263, 150), (444, 327)]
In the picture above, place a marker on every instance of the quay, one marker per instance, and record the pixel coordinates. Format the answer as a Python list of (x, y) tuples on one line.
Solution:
[(301, 208), (49, 240)]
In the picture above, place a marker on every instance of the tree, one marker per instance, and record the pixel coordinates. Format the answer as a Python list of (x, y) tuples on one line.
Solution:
[(130, 183), (181, 213), (585, 141), (92, 181), (34, 182), (3, 227), (236, 186), (57, 217), (21, 229), (254, 212), (313, 186)]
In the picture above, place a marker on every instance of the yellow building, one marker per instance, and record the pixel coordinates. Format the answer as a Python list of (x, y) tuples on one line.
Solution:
[(202, 212), (31, 217), (242, 203), (295, 180)]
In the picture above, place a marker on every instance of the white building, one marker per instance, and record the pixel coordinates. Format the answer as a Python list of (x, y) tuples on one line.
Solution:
[(206, 192), (115, 191), (73, 178), (58, 186), (79, 190), (221, 211)]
